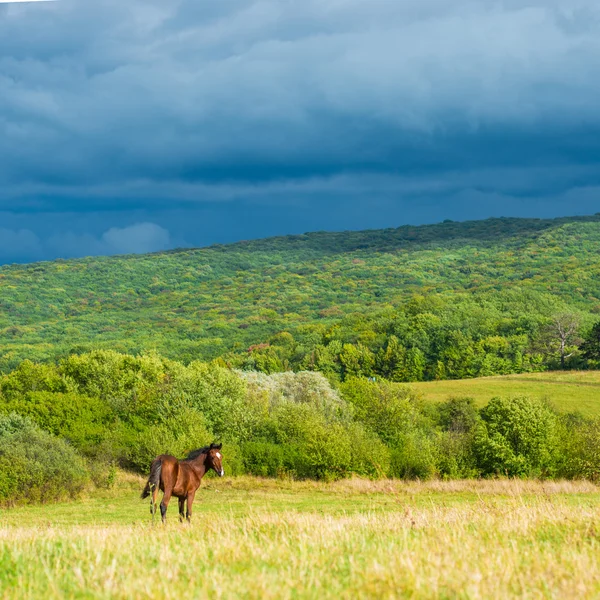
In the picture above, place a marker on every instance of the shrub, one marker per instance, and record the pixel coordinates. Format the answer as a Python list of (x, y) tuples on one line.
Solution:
[(177, 436), (299, 388), (455, 456), (216, 393), (387, 409), (121, 379), (313, 448), (516, 437), (102, 474), (233, 461), (125, 410), (80, 420), (579, 448), (369, 456), (264, 459), (414, 456), (35, 466), (32, 377), (458, 415)]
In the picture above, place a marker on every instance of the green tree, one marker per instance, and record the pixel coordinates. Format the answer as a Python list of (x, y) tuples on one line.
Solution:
[(591, 344)]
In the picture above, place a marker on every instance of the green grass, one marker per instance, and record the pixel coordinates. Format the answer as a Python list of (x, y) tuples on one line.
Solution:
[(568, 391), (254, 538)]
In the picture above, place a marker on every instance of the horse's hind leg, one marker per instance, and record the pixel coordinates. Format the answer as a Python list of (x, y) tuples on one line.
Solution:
[(165, 504), (153, 501), (181, 506)]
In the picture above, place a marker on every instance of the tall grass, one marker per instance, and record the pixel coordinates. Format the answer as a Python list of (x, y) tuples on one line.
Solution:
[(433, 540)]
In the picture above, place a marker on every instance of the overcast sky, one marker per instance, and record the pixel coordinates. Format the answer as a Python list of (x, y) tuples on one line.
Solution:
[(132, 126)]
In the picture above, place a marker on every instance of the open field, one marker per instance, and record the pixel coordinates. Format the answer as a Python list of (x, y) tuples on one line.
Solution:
[(255, 538), (567, 390)]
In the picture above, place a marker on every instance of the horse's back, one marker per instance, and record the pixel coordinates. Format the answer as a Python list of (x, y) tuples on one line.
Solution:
[(169, 470), (179, 477)]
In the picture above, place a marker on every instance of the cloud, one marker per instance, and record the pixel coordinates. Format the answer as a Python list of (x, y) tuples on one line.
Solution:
[(19, 245), (137, 239), (24, 245), (131, 105)]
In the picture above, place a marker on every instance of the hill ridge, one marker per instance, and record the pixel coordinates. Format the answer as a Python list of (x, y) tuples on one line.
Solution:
[(452, 230), (205, 302)]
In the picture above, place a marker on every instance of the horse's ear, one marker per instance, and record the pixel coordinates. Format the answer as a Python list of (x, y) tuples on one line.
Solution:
[(219, 446)]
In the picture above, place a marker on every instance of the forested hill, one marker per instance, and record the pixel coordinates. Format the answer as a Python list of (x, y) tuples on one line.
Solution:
[(203, 303)]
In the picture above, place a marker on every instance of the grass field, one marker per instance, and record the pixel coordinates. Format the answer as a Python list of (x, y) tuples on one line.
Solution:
[(567, 390), (351, 539)]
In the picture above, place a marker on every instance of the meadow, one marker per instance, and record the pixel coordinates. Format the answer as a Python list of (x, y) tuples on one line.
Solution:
[(568, 391), (257, 538)]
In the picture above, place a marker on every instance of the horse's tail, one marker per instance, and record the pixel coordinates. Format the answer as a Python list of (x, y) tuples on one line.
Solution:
[(154, 478)]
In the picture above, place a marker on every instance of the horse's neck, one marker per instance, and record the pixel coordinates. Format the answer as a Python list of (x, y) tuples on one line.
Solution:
[(198, 464)]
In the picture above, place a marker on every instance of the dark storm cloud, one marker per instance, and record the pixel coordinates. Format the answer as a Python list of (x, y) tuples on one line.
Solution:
[(193, 109)]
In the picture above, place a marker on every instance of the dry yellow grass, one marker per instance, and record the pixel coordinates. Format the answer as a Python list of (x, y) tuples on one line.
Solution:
[(491, 539)]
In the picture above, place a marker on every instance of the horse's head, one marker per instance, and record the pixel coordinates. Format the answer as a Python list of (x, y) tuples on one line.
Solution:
[(214, 459)]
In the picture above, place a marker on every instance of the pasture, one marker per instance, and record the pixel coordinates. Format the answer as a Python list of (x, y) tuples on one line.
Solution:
[(569, 391), (254, 538)]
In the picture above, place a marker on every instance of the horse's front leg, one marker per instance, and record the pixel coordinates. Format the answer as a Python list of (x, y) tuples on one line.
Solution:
[(190, 501), (181, 506)]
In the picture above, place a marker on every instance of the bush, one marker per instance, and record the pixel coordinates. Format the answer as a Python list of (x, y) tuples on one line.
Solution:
[(387, 409), (102, 474), (307, 430), (264, 459), (313, 448), (458, 415), (125, 410), (516, 437), (307, 387), (31, 377), (369, 456), (414, 456), (35, 466), (216, 393), (233, 461), (458, 418), (455, 455), (177, 436), (579, 448), (82, 421)]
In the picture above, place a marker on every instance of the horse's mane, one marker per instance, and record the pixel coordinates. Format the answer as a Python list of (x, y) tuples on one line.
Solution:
[(204, 450), (196, 453)]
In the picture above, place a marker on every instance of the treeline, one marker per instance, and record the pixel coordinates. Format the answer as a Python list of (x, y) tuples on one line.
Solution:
[(437, 337), (63, 424), (202, 303)]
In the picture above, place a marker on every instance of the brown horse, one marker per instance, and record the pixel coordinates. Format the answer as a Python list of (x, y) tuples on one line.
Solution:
[(181, 478)]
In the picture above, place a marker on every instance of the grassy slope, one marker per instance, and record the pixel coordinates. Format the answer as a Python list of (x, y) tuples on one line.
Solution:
[(567, 390), (200, 303), (268, 539)]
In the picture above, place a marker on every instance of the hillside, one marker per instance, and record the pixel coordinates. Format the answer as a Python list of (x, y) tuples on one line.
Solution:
[(569, 391), (202, 303)]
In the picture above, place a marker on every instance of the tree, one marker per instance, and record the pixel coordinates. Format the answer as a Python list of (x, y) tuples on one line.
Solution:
[(357, 361), (561, 335), (591, 344)]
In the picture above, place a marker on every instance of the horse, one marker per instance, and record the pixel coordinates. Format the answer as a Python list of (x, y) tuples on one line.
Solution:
[(181, 478)]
